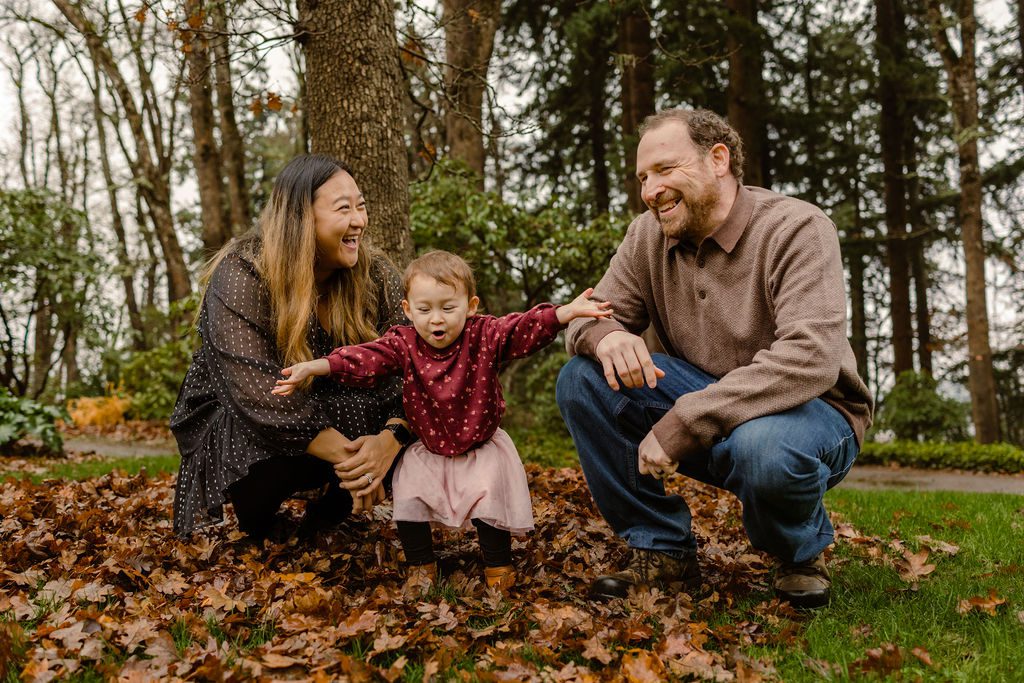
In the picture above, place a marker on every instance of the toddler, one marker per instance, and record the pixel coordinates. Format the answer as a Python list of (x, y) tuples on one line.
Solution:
[(464, 469)]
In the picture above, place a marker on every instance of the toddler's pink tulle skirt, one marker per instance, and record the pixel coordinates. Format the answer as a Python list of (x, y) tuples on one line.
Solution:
[(487, 483)]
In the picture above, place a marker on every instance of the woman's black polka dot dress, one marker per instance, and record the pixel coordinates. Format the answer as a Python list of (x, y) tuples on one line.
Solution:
[(226, 419)]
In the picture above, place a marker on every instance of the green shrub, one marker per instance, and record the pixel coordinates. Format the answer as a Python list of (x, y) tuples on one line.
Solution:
[(152, 378), (23, 417), (965, 455), (915, 411)]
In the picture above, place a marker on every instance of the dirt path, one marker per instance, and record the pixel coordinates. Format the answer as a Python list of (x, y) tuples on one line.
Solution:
[(118, 448), (910, 479), (860, 477)]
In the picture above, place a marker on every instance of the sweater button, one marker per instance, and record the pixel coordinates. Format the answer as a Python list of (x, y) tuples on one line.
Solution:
[(700, 262), (702, 294)]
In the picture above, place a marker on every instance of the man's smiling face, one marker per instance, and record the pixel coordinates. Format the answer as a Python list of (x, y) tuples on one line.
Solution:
[(677, 181)]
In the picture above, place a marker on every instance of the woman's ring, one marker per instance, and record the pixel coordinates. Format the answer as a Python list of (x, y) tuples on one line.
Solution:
[(369, 478)]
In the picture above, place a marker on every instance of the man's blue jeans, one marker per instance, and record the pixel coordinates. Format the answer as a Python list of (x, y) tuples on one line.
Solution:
[(779, 466)]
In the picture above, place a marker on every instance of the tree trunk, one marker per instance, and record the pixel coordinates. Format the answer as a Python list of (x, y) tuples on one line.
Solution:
[(890, 50), (125, 267), (918, 261), (42, 339), (469, 27), (155, 188), (745, 92), (1020, 42), (636, 49), (810, 67), (596, 113), (25, 151), (963, 94), (857, 267), (232, 146), (353, 42), (205, 154), (919, 266)]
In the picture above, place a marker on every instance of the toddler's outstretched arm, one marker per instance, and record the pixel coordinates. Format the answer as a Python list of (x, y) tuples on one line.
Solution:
[(583, 307), (298, 373)]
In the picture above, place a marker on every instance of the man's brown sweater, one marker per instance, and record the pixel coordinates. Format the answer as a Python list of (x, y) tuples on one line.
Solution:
[(759, 304)]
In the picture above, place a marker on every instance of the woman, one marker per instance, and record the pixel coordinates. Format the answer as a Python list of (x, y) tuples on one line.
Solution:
[(300, 284)]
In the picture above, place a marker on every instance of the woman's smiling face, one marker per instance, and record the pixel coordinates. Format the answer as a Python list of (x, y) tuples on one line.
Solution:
[(339, 213)]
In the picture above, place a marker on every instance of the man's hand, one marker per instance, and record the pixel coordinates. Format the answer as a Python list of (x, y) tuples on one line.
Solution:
[(627, 356), (653, 460), (583, 307)]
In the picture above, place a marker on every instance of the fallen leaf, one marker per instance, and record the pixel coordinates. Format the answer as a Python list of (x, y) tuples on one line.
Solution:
[(938, 546), (596, 650), (988, 604), (217, 600), (272, 660), (881, 660), (922, 654), (640, 666), (914, 566)]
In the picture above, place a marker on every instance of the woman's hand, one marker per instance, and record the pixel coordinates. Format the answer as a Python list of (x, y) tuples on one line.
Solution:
[(299, 373), (362, 471)]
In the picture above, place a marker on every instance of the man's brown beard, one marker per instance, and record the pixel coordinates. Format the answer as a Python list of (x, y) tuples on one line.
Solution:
[(698, 215)]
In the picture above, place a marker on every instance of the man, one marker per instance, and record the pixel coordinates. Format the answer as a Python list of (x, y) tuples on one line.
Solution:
[(758, 393)]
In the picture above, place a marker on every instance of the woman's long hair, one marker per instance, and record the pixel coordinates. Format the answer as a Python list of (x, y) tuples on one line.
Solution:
[(283, 248)]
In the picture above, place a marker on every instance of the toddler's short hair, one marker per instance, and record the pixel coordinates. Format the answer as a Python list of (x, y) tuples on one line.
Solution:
[(445, 267)]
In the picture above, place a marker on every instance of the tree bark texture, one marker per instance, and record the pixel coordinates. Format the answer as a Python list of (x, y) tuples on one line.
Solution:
[(205, 153), (354, 96), (1020, 42), (890, 49), (745, 91), (855, 258), (596, 113), (43, 340), (125, 268), (636, 52), (918, 259), (155, 190), (232, 147), (963, 94), (470, 26)]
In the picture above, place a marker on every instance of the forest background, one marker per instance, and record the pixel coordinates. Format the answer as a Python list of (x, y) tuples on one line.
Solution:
[(141, 137)]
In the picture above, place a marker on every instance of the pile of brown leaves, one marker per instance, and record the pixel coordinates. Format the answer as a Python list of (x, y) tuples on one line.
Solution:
[(95, 572)]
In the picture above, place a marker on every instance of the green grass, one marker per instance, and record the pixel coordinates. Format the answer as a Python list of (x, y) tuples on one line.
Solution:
[(871, 606), (544, 448), (61, 469)]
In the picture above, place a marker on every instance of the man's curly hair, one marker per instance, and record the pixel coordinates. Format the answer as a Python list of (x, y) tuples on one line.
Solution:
[(707, 129)]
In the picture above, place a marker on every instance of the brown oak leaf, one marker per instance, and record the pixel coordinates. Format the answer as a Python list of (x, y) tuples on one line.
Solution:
[(988, 604)]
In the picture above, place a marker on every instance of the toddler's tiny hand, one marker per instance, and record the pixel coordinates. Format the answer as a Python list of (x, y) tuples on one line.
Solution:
[(294, 376), (299, 373), (584, 307)]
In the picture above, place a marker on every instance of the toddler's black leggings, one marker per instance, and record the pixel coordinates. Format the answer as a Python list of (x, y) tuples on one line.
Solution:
[(418, 544)]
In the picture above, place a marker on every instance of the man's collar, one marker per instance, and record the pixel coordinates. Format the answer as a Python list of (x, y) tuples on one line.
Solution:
[(729, 232)]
